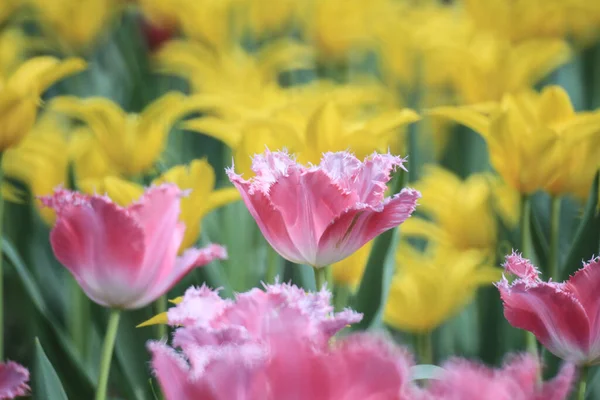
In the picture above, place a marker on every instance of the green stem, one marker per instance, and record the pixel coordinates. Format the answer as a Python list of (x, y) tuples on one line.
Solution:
[(525, 227), (273, 265), (425, 348), (1, 257), (320, 277), (161, 307), (554, 235), (107, 352), (78, 318), (582, 385), (340, 297)]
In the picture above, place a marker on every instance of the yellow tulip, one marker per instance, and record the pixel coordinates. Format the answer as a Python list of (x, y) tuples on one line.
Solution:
[(40, 160), (461, 214), (132, 142), (537, 141), (20, 94), (486, 67), (74, 23), (265, 16), (198, 178), (532, 19), (429, 289)]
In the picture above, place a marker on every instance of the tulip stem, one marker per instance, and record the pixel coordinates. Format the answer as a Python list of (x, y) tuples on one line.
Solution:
[(554, 238), (582, 385), (107, 352), (273, 264), (320, 277), (161, 307), (1, 257), (78, 318), (525, 228), (425, 347)]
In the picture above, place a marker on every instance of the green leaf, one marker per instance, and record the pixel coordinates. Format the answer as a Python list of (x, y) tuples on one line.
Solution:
[(426, 371), (80, 377), (587, 237), (373, 290), (47, 383)]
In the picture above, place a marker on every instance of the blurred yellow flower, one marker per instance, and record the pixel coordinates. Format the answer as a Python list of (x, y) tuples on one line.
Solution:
[(198, 177), (232, 80), (320, 128), (74, 23), (537, 141), (20, 94), (262, 17), (40, 160), (340, 28), (429, 289), (461, 213), (533, 19), (132, 142)]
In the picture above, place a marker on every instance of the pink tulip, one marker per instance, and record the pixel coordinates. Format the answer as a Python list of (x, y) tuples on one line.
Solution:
[(517, 380), (13, 380), (124, 257), (565, 317), (318, 215), (275, 345)]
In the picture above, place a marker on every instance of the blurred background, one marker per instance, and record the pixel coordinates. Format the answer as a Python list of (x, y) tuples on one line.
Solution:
[(106, 96)]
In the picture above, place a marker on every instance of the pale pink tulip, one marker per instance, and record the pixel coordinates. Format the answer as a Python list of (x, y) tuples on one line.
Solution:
[(318, 215), (274, 345), (13, 380), (517, 380), (124, 257), (565, 317)]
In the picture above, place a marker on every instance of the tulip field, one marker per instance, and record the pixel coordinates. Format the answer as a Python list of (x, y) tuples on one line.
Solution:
[(300, 199)]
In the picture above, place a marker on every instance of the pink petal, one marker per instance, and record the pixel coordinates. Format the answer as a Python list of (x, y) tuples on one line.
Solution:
[(198, 307), (584, 286), (13, 380), (371, 179), (358, 226), (552, 314), (521, 267), (101, 244), (342, 168), (308, 202), (371, 368), (268, 218), (559, 387), (167, 276), (157, 211)]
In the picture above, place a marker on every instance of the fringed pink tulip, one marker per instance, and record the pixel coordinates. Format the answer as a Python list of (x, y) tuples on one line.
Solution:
[(517, 380), (318, 215), (565, 317), (13, 380), (274, 345), (124, 258)]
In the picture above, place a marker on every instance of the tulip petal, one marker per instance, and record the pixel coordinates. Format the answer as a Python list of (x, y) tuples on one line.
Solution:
[(357, 226), (551, 313), (190, 259), (99, 242), (13, 380), (268, 218)]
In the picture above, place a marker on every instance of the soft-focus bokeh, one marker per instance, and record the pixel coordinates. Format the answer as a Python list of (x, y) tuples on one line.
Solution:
[(496, 103)]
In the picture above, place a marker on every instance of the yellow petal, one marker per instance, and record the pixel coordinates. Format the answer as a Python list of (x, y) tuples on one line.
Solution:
[(119, 190), (41, 72), (555, 106), (216, 128), (221, 197), (464, 116), (156, 320), (391, 120)]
